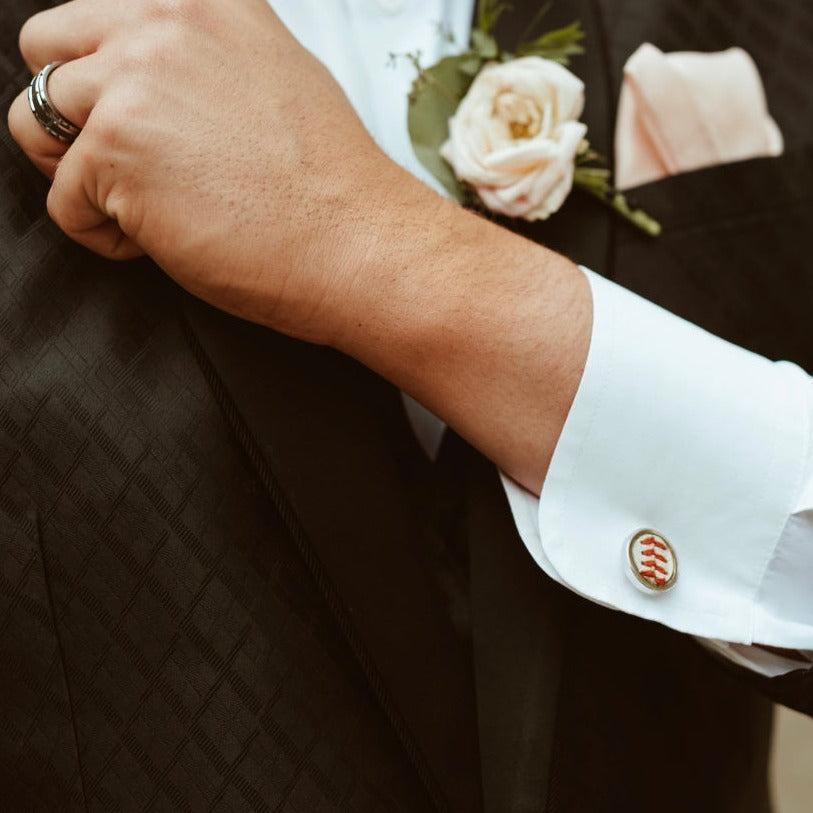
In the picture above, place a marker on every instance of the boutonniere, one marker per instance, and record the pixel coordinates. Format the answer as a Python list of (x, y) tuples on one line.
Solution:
[(501, 131)]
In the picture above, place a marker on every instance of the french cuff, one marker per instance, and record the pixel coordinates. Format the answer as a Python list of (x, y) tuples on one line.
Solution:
[(680, 434)]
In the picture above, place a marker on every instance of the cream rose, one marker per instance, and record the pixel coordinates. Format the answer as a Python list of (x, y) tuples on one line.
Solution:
[(515, 136)]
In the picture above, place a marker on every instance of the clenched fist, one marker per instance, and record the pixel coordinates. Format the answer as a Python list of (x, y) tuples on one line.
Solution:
[(215, 143)]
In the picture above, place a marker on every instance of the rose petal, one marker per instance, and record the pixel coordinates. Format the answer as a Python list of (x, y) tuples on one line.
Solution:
[(519, 177)]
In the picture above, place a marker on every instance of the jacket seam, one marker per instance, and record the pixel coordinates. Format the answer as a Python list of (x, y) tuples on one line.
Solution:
[(63, 664)]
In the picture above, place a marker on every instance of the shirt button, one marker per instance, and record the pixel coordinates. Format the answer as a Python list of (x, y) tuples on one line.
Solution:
[(652, 561)]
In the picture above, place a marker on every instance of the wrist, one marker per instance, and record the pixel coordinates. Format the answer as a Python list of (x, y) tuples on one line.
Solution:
[(372, 256), (400, 269), (338, 256), (486, 329)]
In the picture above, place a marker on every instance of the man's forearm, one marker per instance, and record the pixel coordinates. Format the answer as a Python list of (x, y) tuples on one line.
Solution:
[(488, 330)]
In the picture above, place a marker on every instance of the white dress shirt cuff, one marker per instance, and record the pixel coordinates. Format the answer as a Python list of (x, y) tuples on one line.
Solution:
[(675, 430)]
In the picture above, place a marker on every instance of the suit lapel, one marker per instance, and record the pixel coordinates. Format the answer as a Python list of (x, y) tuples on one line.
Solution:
[(330, 441)]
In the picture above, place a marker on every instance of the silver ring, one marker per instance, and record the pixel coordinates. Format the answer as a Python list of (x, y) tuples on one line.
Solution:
[(52, 121)]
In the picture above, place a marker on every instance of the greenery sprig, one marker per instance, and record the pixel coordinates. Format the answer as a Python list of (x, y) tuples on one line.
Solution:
[(596, 180), (438, 90)]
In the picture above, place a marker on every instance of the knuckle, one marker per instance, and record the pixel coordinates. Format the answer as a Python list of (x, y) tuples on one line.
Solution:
[(163, 32), (104, 128), (139, 57), (143, 53), (176, 10), (111, 122), (108, 123)]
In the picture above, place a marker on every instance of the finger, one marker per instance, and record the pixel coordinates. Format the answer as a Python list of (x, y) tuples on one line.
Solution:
[(79, 216), (43, 150), (70, 31), (73, 89)]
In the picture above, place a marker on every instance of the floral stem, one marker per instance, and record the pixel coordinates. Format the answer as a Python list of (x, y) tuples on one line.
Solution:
[(596, 182)]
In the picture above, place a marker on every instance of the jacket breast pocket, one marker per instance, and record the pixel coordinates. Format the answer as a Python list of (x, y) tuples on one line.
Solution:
[(734, 256)]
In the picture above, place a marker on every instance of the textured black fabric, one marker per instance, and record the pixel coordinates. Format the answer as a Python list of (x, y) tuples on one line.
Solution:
[(336, 438), (201, 605), (519, 623), (165, 645), (645, 718)]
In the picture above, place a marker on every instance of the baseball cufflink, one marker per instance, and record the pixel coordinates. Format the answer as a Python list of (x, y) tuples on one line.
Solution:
[(651, 562)]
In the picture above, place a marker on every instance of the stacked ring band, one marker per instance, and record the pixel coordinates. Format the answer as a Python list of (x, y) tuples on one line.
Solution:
[(44, 111)]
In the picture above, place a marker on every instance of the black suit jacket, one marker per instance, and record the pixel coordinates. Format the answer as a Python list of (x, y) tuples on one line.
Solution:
[(230, 580)]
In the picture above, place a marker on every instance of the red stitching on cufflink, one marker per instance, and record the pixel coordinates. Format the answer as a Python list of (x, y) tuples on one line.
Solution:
[(650, 569)]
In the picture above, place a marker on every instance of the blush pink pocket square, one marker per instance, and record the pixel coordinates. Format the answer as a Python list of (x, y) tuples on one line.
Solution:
[(683, 111)]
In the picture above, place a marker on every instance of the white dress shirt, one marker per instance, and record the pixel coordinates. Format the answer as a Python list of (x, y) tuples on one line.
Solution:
[(671, 429)]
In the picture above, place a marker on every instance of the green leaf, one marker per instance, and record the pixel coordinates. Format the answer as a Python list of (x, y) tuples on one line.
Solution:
[(489, 13), (558, 45), (484, 45), (436, 93), (471, 66)]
